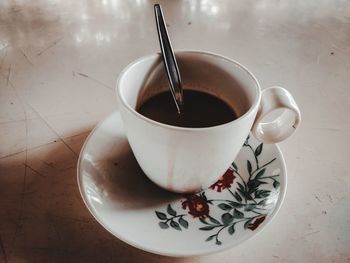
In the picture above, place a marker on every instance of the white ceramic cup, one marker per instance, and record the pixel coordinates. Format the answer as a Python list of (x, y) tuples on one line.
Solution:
[(190, 159)]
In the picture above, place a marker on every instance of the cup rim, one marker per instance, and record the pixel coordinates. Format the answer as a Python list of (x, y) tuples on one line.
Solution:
[(178, 128)]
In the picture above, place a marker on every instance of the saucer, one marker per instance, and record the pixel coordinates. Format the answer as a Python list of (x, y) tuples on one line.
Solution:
[(127, 204)]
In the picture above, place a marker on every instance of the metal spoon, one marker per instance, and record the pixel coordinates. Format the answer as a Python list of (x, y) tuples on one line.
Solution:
[(169, 59)]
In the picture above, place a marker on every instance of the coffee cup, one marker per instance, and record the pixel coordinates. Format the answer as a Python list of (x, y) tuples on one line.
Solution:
[(184, 159)]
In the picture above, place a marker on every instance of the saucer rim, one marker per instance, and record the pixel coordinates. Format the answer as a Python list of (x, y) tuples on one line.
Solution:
[(283, 190)]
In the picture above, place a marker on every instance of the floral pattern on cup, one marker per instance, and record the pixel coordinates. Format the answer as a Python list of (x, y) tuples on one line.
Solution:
[(247, 206)]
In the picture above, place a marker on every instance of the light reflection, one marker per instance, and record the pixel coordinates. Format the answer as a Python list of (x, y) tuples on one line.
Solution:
[(140, 2), (193, 6), (84, 36), (78, 39), (99, 37), (102, 37), (84, 17), (119, 11), (214, 10), (209, 7), (114, 4), (94, 198)]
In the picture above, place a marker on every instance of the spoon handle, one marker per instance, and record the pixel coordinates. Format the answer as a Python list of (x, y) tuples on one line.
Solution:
[(169, 59)]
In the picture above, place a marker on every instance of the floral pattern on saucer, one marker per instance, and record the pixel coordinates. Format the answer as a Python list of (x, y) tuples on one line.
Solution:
[(251, 190)]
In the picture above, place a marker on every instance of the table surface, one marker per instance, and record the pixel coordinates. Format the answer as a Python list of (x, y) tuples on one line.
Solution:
[(59, 62)]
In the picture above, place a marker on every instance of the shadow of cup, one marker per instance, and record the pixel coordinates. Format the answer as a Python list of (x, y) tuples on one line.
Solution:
[(119, 182)]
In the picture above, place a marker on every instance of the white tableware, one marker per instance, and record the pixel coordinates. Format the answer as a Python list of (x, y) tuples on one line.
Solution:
[(132, 208), (190, 159)]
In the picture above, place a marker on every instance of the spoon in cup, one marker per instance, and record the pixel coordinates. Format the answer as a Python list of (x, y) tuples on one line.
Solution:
[(169, 60)]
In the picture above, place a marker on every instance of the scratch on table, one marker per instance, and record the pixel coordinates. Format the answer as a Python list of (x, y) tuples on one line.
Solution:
[(3, 58), (4, 47), (49, 164), (313, 233), (68, 168), (50, 46), (330, 198), (35, 171), (2, 247), (9, 74), (39, 146), (52, 222), (46, 248), (52, 129), (93, 79), (26, 57), (328, 129), (20, 218), (15, 11), (80, 220), (12, 121), (79, 134), (19, 99), (317, 198), (15, 153)]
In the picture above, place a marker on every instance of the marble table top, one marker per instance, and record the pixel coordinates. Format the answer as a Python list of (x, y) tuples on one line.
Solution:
[(59, 61)]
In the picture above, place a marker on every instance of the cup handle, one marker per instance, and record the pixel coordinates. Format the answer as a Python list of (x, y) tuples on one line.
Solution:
[(282, 127)]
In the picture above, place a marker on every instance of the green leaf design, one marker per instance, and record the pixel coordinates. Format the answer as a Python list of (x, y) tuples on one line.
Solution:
[(163, 225), (249, 207), (276, 184), (226, 218), (258, 150), (210, 238), (243, 194), (262, 202), (175, 225), (231, 229), (234, 211), (161, 215), (254, 184), (203, 221), (235, 204), (238, 197), (234, 165), (237, 214), (171, 211), (213, 220), (207, 228), (183, 222), (262, 193), (224, 206), (246, 141), (240, 186), (260, 173), (265, 193), (245, 226), (249, 166)]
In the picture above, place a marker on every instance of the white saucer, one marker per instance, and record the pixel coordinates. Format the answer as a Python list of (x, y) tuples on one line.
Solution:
[(132, 208)]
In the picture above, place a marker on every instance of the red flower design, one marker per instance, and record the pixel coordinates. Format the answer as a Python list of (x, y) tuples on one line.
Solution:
[(256, 223), (197, 205), (225, 181)]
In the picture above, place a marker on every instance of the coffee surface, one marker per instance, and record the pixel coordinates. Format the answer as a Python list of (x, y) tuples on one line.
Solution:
[(201, 110)]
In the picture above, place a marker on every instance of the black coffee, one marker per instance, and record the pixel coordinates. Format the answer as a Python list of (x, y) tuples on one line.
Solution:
[(201, 110)]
